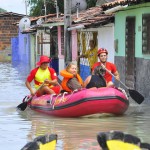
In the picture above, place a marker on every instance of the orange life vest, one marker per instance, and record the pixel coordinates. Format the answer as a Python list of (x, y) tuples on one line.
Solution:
[(67, 76)]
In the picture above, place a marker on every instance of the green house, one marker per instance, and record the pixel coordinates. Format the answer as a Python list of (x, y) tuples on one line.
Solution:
[(132, 42)]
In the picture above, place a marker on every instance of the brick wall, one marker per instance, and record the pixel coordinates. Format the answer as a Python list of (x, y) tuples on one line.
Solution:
[(7, 31)]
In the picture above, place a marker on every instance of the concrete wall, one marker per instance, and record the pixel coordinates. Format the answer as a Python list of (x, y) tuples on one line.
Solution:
[(142, 75), (5, 56), (106, 40), (7, 31)]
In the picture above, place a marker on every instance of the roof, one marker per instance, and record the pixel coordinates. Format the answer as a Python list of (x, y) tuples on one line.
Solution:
[(11, 14), (47, 17), (90, 18), (122, 3), (93, 17)]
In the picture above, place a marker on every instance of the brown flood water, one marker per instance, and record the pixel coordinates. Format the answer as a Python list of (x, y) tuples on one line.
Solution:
[(18, 128)]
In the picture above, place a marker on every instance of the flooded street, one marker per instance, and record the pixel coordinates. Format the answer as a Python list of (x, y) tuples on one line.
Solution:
[(17, 128)]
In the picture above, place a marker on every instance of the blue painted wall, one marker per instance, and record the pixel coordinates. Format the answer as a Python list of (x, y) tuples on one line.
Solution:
[(55, 64), (21, 52), (84, 71), (14, 47)]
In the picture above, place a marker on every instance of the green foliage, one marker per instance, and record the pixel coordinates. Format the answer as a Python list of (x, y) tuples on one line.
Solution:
[(91, 3), (38, 9), (2, 10)]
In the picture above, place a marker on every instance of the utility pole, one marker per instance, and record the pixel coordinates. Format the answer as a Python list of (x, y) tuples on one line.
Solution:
[(57, 8), (78, 6), (67, 34), (45, 9), (26, 6)]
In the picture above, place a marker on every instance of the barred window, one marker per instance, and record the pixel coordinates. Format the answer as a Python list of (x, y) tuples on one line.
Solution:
[(62, 40), (130, 44), (146, 34), (39, 44)]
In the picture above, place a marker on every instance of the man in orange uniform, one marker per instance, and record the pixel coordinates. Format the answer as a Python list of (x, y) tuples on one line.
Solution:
[(103, 55), (45, 76)]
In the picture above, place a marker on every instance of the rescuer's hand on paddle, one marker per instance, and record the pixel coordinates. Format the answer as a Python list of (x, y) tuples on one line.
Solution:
[(46, 81), (30, 88), (117, 77), (32, 92), (53, 82)]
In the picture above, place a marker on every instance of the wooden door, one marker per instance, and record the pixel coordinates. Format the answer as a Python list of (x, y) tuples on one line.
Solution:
[(130, 77)]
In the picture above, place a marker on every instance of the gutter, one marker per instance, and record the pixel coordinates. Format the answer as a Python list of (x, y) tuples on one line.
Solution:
[(81, 26), (114, 9), (53, 24)]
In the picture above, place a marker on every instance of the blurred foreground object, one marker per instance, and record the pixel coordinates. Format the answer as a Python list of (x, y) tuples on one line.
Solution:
[(117, 140), (44, 142)]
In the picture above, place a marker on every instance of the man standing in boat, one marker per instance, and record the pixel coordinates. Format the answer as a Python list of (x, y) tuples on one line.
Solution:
[(45, 78), (90, 54), (103, 56)]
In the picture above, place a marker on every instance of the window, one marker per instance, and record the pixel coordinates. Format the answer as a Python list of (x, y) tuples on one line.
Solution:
[(130, 45), (40, 44), (54, 43), (62, 41), (146, 34)]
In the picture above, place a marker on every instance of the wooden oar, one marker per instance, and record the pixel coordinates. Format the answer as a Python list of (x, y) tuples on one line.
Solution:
[(135, 95), (24, 104)]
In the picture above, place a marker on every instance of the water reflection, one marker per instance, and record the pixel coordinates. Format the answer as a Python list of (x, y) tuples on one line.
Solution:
[(22, 68), (80, 133), (17, 128)]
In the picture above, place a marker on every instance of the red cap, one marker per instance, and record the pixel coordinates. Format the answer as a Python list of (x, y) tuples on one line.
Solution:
[(102, 50), (43, 59)]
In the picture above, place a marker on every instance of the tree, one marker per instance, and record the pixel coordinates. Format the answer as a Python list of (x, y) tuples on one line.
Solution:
[(2, 10), (91, 3), (38, 7)]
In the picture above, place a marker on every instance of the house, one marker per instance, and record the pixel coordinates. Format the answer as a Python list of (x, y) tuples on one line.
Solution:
[(32, 42), (86, 25), (132, 42), (7, 31), (48, 36), (92, 24)]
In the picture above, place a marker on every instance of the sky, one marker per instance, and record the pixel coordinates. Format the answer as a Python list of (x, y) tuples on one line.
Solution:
[(15, 6)]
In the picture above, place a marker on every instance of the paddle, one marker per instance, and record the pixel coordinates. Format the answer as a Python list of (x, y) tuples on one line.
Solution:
[(135, 95), (42, 142), (117, 140), (24, 104)]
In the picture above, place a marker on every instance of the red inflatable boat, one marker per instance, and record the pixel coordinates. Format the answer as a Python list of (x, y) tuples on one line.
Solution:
[(81, 103)]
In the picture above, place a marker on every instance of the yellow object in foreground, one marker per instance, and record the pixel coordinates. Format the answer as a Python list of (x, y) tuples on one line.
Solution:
[(120, 145), (45, 142), (48, 146)]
